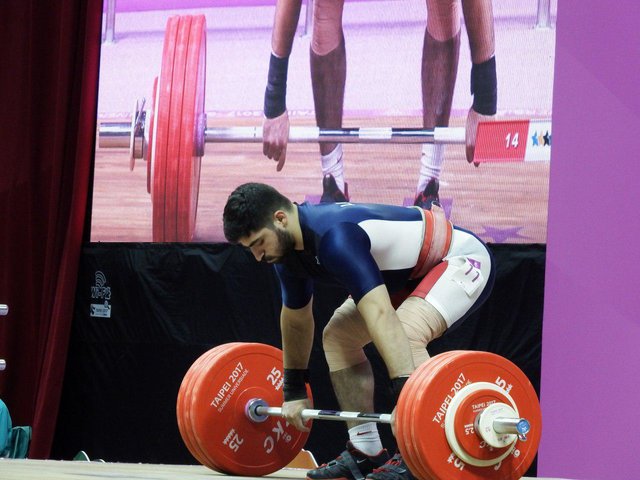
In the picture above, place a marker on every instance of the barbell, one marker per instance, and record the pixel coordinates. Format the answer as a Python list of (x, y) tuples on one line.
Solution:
[(171, 134), (461, 415)]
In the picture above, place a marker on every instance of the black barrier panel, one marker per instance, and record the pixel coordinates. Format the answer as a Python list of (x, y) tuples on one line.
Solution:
[(145, 312)]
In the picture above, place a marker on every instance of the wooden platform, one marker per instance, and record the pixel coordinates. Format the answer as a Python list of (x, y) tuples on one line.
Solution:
[(66, 470)]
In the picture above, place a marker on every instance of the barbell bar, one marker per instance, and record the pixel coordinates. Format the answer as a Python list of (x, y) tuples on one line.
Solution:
[(172, 132), (258, 411), (118, 134), (122, 134), (461, 415)]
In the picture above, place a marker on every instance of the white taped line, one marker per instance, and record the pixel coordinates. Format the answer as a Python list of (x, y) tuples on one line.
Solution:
[(375, 133), (449, 135), (303, 133)]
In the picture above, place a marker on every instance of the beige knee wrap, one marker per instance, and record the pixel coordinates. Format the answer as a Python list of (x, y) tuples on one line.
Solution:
[(443, 18), (422, 323), (344, 337), (327, 25)]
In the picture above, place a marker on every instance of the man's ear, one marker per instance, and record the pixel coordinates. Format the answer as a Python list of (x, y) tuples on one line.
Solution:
[(280, 216)]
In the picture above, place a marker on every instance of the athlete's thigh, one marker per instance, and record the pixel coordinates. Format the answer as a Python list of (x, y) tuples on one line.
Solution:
[(458, 284)]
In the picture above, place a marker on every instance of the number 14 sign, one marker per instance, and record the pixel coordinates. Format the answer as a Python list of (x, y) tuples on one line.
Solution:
[(513, 141)]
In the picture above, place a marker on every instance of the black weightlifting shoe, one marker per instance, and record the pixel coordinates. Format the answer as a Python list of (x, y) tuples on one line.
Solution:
[(394, 469), (429, 196), (351, 464), (331, 193)]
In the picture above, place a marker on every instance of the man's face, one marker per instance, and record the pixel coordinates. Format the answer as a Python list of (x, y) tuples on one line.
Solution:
[(269, 245)]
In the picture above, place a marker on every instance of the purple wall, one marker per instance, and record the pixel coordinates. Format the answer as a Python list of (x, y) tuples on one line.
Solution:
[(590, 390)]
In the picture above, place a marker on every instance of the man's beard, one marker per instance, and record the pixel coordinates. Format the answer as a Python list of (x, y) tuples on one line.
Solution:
[(286, 244)]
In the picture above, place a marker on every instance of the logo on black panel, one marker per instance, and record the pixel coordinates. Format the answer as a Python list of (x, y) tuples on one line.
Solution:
[(101, 295)]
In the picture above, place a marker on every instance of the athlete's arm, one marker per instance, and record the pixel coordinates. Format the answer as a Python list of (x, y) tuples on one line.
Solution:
[(386, 331), (345, 250), (297, 328), (275, 128), (285, 24)]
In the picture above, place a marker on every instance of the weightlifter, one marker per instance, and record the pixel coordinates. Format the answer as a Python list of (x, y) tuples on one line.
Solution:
[(386, 257), (440, 53)]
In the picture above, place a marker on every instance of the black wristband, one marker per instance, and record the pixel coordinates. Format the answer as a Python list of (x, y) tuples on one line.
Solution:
[(484, 87), (275, 95), (396, 386), (295, 384)]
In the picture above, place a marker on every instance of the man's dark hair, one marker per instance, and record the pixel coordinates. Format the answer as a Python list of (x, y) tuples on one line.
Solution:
[(250, 208)]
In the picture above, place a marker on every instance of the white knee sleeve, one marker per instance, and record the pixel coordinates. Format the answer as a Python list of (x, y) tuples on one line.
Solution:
[(421, 323)]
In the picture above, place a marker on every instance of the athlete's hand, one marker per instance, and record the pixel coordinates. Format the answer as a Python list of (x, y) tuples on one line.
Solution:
[(275, 135), (292, 413), (471, 131)]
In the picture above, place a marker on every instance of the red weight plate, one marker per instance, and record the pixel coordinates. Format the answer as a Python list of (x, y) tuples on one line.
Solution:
[(161, 135), (402, 439), (184, 392), (175, 210), (403, 420), (152, 114), (183, 402), (432, 401), (422, 391), (235, 443), (175, 129), (197, 385), (196, 381), (188, 179), (183, 425), (464, 420), (404, 415)]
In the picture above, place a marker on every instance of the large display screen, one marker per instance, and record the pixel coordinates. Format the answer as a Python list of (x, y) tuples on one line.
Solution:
[(186, 92)]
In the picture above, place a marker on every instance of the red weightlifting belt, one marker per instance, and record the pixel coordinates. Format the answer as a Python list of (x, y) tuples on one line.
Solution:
[(436, 243)]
